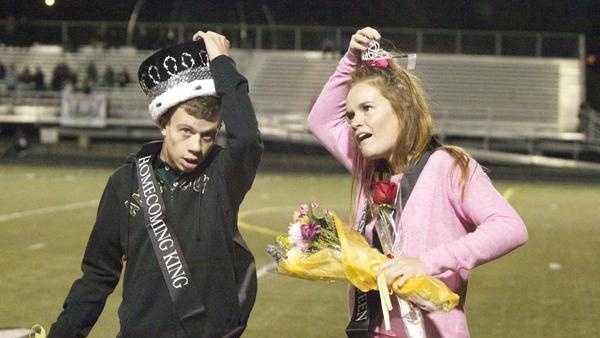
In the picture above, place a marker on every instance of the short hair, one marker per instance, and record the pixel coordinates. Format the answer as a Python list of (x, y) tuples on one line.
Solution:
[(205, 107)]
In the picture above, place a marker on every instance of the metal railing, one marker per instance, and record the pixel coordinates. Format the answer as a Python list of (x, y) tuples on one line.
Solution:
[(152, 35)]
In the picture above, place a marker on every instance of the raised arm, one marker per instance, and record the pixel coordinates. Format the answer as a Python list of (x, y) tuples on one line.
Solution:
[(244, 145), (101, 267), (498, 229), (327, 119)]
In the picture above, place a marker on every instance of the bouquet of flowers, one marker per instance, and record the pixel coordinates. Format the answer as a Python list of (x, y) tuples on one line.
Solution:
[(311, 249), (319, 246)]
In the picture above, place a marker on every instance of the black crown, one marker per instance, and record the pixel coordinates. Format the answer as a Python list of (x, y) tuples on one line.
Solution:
[(168, 62)]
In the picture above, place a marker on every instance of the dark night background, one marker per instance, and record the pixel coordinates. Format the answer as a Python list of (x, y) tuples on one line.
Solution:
[(568, 16), (581, 16)]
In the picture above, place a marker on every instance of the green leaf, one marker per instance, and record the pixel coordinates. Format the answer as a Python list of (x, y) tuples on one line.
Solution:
[(318, 213)]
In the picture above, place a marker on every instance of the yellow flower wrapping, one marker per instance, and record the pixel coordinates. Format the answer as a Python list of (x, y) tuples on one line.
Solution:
[(429, 293), (358, 263), (322, 265)]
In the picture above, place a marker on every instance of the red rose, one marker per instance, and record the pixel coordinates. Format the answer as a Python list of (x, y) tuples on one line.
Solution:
[(384, 192)]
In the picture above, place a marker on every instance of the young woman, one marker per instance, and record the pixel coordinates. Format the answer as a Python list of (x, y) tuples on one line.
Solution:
[(374, 118)]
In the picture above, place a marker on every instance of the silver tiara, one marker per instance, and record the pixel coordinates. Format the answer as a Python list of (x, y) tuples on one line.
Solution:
[(374, 52)]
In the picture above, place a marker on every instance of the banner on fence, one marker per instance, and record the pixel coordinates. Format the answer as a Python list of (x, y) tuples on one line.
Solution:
[(83, 110)]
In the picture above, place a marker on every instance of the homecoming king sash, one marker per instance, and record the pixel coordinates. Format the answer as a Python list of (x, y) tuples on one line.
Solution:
[(167, 250)]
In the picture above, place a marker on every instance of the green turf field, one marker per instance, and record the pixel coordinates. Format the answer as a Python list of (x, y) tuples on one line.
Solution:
[(549, 288)]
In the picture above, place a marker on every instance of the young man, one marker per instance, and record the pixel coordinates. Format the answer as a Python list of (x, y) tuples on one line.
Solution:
[(171, 211)]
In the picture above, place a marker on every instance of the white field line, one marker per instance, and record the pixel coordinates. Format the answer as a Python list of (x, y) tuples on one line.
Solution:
[(48, 210), (265, 210), (257, 229), (263, 270), (508, 193)]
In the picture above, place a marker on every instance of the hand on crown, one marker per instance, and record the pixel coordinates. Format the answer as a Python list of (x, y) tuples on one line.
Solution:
[(216, 44)]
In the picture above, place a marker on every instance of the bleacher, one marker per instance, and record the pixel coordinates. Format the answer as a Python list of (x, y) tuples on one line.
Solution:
[(471, 95), (486, 94)]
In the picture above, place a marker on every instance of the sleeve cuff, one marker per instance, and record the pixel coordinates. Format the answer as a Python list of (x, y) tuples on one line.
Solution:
[(348, 63), (58, 330)]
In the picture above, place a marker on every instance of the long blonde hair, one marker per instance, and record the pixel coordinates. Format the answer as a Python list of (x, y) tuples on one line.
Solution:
[(406, 95)]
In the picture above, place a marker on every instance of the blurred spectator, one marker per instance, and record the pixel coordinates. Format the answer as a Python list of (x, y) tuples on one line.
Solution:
[(328, 48), (73, 79), (86, 86), (166, 38), (91, 74), (97, 40), (2, 71), (171, 39), (39, 79), (60, 76), (587, 116), (113, 39), (123, 77), (20, 138), (108, 78), (21, 141), (11, 77), (26, 77)]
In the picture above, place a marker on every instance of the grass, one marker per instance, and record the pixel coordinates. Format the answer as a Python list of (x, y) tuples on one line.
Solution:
[(549, 288)]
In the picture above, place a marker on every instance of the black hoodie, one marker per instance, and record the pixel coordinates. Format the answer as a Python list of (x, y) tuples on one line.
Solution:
[(202, 209)]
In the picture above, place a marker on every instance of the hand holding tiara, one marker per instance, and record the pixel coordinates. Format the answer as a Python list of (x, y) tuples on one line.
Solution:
[(365, 43), (361, 39)]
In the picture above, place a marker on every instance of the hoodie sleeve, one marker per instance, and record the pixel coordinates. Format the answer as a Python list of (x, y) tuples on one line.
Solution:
[(101, 267), (244, 144)]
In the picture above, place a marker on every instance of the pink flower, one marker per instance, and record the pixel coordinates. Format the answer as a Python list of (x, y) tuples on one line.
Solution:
[(300, 214), (310, 231), (303, 209)]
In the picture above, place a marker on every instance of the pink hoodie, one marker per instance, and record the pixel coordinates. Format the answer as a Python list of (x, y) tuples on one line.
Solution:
[(451, 235)]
